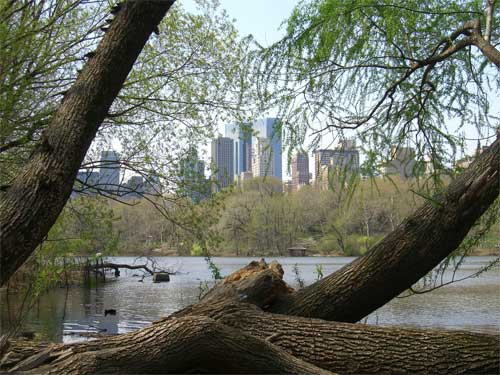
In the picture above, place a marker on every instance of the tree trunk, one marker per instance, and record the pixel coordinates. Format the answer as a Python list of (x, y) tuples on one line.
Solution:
[(35, 198), (191, 344), (362, 349), (340, 347), (405, 255), (223, 334)]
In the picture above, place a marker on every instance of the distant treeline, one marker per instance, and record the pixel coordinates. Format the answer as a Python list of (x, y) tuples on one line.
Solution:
[(256, 219)]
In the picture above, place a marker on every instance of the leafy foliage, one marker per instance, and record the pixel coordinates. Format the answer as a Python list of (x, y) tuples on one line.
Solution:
[(186, 80), (390, 72)]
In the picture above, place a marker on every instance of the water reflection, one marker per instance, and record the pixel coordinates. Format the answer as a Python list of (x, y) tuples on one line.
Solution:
[(66, 315)]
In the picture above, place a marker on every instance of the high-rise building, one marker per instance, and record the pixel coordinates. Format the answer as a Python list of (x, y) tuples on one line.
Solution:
[(322, 158), (262, 158), (242, 147), (288, 186), (244, 177), (222, 159), (300, 171), (267, 129), (346, 157), (402, 162), (109, 172), (86, 183), (152, 184), (134, 188)]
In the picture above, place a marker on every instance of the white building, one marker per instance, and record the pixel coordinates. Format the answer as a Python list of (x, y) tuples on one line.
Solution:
[(262, 158)]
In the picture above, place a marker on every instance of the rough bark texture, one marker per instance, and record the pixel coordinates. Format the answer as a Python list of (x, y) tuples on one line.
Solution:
[(405, 255), (35, 198), (362, 349), (190, 344), (341, 347)]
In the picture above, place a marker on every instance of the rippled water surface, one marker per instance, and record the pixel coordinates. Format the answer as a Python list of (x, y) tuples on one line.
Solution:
[(62, 315)]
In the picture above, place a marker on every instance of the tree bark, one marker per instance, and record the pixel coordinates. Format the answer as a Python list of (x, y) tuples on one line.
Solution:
[(362, 349), (405, 255), (190, 344), (30, 206), (340, 347), (116, 266)]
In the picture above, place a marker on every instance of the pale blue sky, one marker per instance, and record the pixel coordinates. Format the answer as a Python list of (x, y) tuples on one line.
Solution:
[(261, 18)]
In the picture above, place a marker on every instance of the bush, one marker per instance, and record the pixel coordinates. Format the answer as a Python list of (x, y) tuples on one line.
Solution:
[(328, 244), (196, 250)]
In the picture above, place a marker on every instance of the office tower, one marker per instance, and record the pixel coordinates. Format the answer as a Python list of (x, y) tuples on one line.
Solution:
[(222, 159), (288, 186), (402, 162), (152, 184), (345, 157), (135, 187), (86, 183), (322, 158), (109, 172), (262, 158), (300, 171), (242, 147), (267, 129)]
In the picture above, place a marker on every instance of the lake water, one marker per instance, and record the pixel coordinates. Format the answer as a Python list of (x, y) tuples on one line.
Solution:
[(63, 314)]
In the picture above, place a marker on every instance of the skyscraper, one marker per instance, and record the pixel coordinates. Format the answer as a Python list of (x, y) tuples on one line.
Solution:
[(300, 170), (242, 147), (346, 157), (262, 162), (223, 161), (109, 172), (267, 129), (322, 158), (134, 187), (86, 181), (402, 162)]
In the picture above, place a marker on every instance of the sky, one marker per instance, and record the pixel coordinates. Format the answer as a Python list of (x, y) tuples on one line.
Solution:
[(261, 18)]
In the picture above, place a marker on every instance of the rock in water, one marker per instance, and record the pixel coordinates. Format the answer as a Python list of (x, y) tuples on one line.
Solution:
[(159, 277)]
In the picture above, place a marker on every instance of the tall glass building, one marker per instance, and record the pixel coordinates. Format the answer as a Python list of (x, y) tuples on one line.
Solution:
[(267, 128), (242, 147), (222, 158), (109, 172)]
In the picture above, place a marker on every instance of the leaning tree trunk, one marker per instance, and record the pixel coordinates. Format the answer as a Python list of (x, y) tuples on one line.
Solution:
[(35, 198), (222, 334), (405, 255)]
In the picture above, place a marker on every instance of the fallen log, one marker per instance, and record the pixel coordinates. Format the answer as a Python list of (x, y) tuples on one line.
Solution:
[(191, 344), (341, 347), (349, 348), (117, 266), (227, 331)]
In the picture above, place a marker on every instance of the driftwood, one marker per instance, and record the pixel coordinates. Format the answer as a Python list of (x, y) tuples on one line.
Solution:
[(117, 266)]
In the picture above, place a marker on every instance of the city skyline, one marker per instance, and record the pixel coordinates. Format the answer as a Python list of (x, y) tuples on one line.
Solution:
[(345, 156)]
